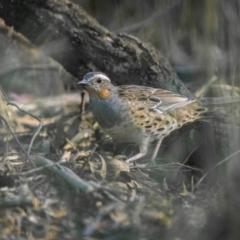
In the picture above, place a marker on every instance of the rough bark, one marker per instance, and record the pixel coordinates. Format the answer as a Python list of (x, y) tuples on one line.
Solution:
[(67, 33)]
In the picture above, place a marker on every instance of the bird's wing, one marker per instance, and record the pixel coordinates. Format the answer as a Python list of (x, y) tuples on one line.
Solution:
[(152, 98)]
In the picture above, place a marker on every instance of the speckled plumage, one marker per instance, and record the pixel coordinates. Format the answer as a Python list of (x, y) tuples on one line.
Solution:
[(138, 114)]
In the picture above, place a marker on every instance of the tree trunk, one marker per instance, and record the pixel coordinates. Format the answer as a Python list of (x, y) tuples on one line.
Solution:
[(68, 34)]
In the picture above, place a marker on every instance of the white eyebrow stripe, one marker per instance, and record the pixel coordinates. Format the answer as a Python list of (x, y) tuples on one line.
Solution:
[(100, 76)]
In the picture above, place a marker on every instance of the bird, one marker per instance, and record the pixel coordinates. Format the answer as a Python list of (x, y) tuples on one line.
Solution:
[(138, 114)]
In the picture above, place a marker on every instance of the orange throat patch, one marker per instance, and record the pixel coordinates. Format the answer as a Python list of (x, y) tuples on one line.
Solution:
[(104, 93)]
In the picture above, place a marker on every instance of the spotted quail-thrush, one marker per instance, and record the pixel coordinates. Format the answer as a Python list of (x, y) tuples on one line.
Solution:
[(138, 114)]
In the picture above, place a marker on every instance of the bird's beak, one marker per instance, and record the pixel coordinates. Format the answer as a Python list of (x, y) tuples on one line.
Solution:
[(83, 82)]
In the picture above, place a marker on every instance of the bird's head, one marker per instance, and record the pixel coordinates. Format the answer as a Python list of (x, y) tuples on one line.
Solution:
[(98, 85)]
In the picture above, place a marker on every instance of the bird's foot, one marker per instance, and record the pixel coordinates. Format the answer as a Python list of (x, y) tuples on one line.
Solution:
[(152, 163)]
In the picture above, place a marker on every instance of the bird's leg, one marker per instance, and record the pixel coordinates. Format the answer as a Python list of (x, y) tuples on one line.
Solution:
[(136, 157), (159, 142), (143, 152)]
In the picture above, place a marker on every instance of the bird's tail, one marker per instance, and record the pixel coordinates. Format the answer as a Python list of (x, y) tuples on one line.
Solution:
[(209, 102), (217, 109)]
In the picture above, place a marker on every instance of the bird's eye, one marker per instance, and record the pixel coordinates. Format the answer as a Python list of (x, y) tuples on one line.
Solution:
[(99, 80)]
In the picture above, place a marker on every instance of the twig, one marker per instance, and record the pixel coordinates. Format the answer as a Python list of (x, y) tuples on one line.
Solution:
[(33, 116), (35, 135), (71, 144), (108, 191), (189, 155), (6, 149), (14, 136), (18, 201), (221, 162), (15, 105), (112, 197), (37, 169), (173, 164), (205, 87), (88, 158), (148, 185), (183, 164)]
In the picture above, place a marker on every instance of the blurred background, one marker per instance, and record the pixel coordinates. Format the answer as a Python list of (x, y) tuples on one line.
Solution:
[(200, 38)]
